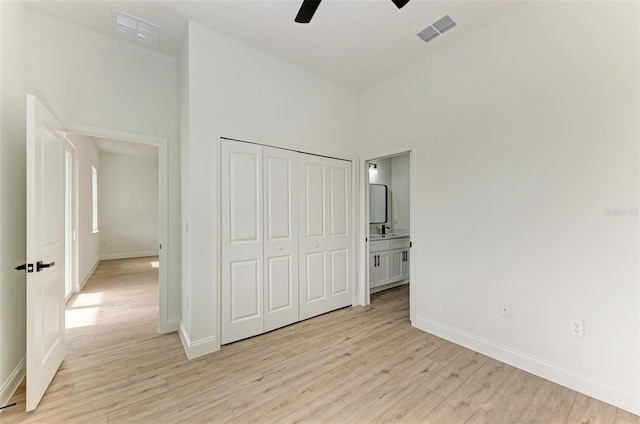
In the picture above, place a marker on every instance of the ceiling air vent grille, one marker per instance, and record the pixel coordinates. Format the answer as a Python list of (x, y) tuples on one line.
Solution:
[(137, 29), (439, 27), (445, 24), (428, 34)]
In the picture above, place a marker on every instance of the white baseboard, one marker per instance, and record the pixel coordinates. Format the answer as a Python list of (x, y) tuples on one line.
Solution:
[(9, 387), (88, 274), (388, 286), (171, 325), (128, 255), (612, 395), (197, 348)]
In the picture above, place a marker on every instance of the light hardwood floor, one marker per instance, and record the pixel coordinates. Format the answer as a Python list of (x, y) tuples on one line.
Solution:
[(362, 364)]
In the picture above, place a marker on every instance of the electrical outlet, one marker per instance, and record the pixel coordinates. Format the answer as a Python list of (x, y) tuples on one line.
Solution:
[(576, 327), (505, 309)]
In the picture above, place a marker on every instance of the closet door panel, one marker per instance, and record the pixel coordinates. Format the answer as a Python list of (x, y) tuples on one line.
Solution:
[(339, 216), (242, 240), (281, 237), (325, 238), (279, 286), (339, 239), (315, 277), (244, 280), (339, 271), (314, 200)]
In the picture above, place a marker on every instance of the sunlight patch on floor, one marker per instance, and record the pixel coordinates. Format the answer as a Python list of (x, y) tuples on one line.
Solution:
[(87, 299), (81, 317)]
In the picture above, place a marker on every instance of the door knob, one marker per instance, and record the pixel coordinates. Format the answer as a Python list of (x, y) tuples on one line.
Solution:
[(316, 245), (279, 247), (40, 265)]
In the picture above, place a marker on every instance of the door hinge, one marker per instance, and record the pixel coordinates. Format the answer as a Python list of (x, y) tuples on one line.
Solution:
[(160, 246), (410, 244), (25, 268)]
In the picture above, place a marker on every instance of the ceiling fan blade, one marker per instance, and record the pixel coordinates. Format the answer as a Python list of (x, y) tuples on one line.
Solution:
[(400, 3), (306, 11)]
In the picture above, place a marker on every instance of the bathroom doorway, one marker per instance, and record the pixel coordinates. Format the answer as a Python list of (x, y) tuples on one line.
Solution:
[(389, 193)]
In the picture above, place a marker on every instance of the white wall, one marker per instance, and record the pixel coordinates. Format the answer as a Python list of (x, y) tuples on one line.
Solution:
[(237, 90), (93, 79), (87, 156), (526, 131), (400, 201), (128, 206), (12, 196)]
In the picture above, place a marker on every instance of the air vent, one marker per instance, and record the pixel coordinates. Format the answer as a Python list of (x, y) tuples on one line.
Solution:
[(136, 29), (439, 27), (428, 34), (445, 24)]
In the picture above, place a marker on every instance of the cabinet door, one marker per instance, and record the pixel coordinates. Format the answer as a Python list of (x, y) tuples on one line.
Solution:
[(373, 270), (280, 237), (384, 268), (242, 240), (325, 234), (397, 265), (406, 269), (379, 269)]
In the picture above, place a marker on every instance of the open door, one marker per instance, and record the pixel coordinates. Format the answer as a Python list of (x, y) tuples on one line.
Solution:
[(45, 249)]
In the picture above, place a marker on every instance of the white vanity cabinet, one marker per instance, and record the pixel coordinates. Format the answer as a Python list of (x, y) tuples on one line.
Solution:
[(388, 262)]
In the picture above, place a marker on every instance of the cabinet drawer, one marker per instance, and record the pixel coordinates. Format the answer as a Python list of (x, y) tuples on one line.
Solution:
[(380, 245), (400, 243)]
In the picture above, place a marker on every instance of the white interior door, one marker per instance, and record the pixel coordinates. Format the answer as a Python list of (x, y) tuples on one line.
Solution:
[(325, 234), (242, 240), (280, 237), (45, 249)]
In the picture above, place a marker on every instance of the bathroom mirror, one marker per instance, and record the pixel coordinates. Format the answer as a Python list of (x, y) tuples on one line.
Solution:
[(377, 203)]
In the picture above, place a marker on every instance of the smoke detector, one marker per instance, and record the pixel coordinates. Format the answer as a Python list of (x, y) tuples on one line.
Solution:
[(135, 28)]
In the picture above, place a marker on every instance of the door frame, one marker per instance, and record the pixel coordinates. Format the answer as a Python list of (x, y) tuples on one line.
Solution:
[(73, 151), (363, 241), (164, 326)]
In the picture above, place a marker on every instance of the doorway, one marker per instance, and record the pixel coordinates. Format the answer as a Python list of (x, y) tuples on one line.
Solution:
[(159, 241), (388, 224)]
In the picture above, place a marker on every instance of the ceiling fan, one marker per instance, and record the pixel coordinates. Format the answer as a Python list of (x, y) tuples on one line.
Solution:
[(309, 7)]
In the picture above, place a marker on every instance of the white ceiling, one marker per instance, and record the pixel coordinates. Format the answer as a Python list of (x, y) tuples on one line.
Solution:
[(355, 43), (119, 147)]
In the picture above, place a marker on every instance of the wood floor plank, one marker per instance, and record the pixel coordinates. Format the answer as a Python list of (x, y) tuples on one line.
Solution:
[(552, 403), (360, 364), (625, 417), (592, 411)]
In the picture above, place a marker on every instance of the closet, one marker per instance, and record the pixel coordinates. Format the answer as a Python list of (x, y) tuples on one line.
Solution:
[(285, 235)]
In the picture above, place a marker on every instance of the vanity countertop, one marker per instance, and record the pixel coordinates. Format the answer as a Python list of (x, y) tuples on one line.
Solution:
[(376, 237)]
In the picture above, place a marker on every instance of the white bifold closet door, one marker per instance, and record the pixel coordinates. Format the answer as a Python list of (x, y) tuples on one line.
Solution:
[(325, 234), (280, 237), (259, 239)]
